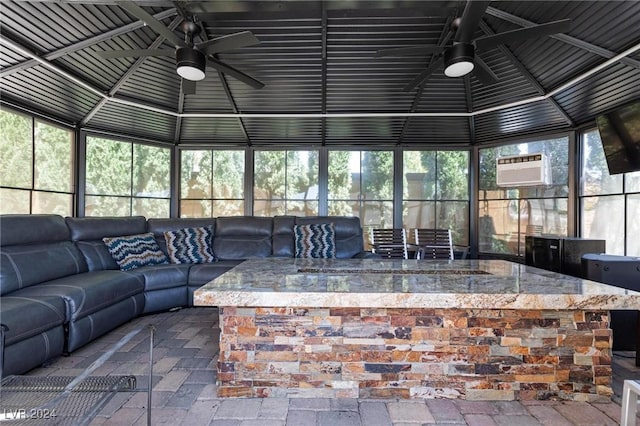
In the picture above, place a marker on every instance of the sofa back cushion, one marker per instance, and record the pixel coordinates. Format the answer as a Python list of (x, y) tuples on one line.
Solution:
[(159, 226), (88, 232), (242, 237), (19, 229), (35, 249), (283, 236), (348, 234)]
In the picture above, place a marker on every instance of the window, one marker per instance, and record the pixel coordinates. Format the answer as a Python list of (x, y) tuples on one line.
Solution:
[(125, 179), (37, 166), (361, 184), (285, 182), (507, 215), (211, 183), (436, 192), (609, 204)]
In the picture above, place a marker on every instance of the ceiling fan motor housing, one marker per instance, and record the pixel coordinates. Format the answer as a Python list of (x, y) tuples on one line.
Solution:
[(190, 63), (458, 60)]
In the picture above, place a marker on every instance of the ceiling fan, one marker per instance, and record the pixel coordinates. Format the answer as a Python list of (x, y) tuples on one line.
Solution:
[(191, 58), (460, 57)]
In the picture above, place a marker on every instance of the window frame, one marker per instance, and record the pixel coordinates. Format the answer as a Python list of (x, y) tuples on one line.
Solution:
[(569, 197), (436, 200), (131, 197), (623, 193), (286, 200), (32, 191), (211, 199), (361, 200)]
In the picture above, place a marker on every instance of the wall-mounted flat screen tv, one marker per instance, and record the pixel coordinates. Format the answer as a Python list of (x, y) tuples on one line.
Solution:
[(620, 136)]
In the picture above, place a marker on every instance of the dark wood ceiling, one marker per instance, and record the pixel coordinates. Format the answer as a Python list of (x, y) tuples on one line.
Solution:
[(323, 82)]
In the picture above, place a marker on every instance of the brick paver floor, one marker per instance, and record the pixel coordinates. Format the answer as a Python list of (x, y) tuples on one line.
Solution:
[(184, 390)]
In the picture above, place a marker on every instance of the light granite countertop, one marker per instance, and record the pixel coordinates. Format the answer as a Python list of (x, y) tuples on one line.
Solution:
[(378, 283)]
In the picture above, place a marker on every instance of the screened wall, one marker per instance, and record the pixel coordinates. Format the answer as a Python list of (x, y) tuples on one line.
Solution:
[(507, 215), (38, 165), (609, 204), (49, 168)]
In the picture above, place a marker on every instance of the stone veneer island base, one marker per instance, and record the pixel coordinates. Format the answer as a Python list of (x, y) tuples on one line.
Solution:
[(478, 330)]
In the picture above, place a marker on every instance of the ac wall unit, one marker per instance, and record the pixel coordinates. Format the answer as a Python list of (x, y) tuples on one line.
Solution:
[(523, 170)]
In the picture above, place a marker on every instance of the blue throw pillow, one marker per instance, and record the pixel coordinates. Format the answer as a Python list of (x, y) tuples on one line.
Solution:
[(190, 245), (133, 251), (315, 240)]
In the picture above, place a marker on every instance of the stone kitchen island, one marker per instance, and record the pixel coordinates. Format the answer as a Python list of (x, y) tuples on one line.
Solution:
[(371, 328)]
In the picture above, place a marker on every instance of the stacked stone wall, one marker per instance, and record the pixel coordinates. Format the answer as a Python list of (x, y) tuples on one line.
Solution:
[(481, 354)]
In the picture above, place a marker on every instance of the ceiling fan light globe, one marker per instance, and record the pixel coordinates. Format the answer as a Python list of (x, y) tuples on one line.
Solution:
[(190, 63), (190, 73), (458, 60), (458, 69)]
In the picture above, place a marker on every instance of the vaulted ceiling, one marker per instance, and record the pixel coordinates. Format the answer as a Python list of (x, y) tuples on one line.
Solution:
[(324, 84)]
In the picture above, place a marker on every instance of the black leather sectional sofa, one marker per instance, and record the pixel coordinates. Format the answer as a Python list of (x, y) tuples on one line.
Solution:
[(60, 288)]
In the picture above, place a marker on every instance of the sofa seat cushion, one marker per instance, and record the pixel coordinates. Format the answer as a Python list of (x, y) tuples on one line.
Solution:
[(29, 316), (158, 277), (89, 292), (203, 273)]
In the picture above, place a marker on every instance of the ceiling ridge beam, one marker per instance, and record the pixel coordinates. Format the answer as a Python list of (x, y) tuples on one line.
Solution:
[(133, 68), (323, 76), (234, 107), (418, 96), (227, 91), (525, 72), (592, 48), (83, 44)]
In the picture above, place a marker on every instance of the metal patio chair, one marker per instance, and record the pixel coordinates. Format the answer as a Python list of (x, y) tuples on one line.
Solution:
[(433, 243), (390, 243)]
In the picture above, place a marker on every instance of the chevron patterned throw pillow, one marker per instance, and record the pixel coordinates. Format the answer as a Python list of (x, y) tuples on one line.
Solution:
[(315, 240), (133, 251), (190, 245)]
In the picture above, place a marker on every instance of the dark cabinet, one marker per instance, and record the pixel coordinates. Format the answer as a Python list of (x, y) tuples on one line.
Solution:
[(621, 271), (560, 254)]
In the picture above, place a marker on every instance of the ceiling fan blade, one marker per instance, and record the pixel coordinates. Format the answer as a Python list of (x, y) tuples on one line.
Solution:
[(235, 73), (109, 54), (473, 13), (152, 22), (409, 50), (188, 87), (482, 71), (523, 33), (423, 75), (228, 42)]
